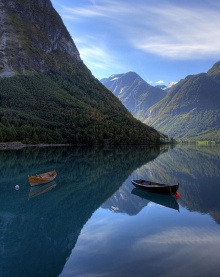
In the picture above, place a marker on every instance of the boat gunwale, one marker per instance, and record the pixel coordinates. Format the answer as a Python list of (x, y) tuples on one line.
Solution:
[(156, 187), (152, 184), (43, 178)]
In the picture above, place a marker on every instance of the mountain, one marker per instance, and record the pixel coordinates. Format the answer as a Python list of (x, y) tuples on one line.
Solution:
[(33, 38), (191, 109), (188, 109), (47, 94), (135, 93), (214, 72)]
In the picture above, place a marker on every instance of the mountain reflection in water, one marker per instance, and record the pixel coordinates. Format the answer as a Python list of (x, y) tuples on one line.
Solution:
[(39, 233), (195, 168), (132, 236)]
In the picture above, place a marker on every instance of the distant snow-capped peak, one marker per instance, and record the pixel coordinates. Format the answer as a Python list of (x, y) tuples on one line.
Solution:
[(171, 84), (167, 87)]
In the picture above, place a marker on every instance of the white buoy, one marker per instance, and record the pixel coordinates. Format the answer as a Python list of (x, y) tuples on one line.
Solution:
[(17, 187)]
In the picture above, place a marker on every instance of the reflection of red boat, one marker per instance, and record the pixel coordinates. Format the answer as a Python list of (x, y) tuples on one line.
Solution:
[(163, 200), (43, 178), (35, 191), (156, 187)]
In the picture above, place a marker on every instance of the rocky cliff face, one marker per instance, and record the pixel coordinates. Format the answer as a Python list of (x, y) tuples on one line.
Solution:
[(29, 41)]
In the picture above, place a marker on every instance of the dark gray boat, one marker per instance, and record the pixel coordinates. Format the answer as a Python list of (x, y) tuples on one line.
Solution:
[(156, 187)]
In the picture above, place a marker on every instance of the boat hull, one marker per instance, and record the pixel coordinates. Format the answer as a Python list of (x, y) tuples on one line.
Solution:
[(156, 187), (43, 178)]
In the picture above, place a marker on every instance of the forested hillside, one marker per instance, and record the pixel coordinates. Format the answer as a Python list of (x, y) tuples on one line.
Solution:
[(191, 109), (47, 94), (68, 108)]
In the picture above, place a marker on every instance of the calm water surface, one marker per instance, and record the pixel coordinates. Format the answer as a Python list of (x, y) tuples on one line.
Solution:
[(92, 222)]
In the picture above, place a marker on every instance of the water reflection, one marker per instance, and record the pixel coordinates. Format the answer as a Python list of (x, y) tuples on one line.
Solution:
[(37, 236), (157, 240), (195, 168), (163, 200), (38, 233), (38, 190)]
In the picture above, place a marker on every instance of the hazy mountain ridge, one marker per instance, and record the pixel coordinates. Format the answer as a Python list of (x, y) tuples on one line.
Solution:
[(189, 110), (214, 72), (135, 93), (57, 98)]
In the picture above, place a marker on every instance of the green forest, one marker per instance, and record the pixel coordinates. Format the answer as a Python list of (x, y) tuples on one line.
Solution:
[(68, 107)]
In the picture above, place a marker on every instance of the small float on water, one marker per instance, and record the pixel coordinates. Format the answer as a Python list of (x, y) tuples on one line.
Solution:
[(43, 178), (157, 187)]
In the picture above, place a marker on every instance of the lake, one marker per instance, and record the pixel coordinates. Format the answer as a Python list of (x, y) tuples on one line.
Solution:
[(92, 222)]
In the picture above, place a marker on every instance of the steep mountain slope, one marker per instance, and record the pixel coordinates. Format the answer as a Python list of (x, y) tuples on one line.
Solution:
[(214, 72), (136, 94), (191, 108), (33, 38), (47, 93)]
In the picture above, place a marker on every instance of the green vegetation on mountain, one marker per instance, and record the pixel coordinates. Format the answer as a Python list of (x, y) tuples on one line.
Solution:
[(191, 109), (69, 108), (188, 111), (47, 94), (214, 72)]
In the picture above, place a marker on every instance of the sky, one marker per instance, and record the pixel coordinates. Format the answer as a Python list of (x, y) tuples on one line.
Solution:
[(161, 40)]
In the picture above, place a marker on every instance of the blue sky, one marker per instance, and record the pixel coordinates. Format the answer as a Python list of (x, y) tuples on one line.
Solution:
[(161, 40)]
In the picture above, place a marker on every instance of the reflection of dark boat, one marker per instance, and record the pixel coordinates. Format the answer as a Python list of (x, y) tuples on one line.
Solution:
[(35, 191), (43, 178), (156, 187), (163, 200)]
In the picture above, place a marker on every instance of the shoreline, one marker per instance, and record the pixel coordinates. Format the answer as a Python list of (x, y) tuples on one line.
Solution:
[(19, 145)]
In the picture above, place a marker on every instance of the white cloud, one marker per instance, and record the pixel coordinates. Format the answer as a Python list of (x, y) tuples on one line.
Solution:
[(178, 33), (107, 9), (95, 54), (119, 35), (82, 12), (160, 82), (181, 236), (163, 29)]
